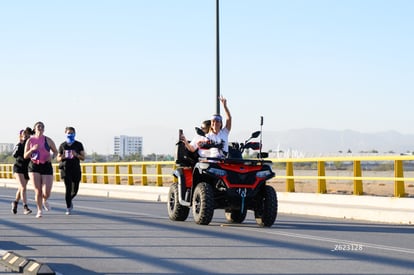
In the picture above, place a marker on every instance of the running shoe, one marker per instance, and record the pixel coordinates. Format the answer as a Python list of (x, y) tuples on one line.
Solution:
[(39, 214), (68, 211), (27, 210), (14, 207), (46, 205)]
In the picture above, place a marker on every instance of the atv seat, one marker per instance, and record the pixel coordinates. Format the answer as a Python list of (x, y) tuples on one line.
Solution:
[(183, 157)]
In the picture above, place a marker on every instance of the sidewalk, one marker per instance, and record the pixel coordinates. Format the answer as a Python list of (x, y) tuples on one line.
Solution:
[(368, 208)]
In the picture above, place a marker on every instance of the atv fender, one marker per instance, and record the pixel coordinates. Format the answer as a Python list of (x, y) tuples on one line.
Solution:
[(182, 189)]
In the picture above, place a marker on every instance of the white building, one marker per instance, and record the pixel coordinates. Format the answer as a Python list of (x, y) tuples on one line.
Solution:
[(6, 147), (126, 145)]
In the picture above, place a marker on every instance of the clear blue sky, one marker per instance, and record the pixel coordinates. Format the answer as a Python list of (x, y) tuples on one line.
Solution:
[(147, 68)]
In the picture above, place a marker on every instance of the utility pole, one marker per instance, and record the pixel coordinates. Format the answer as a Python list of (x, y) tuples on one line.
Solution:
[(217, 59)]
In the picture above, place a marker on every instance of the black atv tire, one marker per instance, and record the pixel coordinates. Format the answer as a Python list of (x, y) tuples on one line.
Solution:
[(176, 211), (235, 216), (203, 203), (266, 211)]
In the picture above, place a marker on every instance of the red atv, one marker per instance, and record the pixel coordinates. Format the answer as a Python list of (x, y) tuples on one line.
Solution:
[(232, 183)]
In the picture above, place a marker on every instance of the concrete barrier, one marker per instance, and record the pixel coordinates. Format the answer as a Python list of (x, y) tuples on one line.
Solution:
[(368, 208), (137, 192), (19, 264)]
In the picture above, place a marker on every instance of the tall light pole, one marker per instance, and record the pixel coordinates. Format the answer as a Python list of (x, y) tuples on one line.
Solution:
[(217, 59)]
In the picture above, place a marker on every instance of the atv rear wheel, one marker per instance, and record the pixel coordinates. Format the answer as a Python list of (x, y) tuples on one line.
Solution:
[(176, 211), (203, 203), (266, 210), (235, 216)]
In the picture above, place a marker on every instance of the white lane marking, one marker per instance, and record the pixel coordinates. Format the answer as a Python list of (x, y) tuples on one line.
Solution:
[(317, 238), (262, 230), (97, 209), (134, 213)]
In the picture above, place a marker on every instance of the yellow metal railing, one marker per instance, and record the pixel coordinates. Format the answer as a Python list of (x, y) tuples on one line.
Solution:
[(156, 172), (131, 172), (357, 178)]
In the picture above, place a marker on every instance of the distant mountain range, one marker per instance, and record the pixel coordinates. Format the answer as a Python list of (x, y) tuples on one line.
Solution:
[(312, 142)]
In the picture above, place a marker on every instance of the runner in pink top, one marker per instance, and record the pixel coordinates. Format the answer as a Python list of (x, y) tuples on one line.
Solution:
[(42, 154), (40, 167)]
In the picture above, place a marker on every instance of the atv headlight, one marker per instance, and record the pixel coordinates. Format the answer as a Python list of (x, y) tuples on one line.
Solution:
[(263, 174), (217, 172)]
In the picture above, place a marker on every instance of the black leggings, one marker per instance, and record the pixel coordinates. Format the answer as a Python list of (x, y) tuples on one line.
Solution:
[(72, 187)]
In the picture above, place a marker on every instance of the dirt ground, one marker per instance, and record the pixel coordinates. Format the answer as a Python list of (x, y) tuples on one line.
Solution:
[(370, 187), (337, 186), (373, 189)]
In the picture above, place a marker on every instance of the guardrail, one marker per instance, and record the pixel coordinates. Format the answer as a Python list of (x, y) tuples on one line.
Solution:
[(115, 172), (156, 172), (357, 178)]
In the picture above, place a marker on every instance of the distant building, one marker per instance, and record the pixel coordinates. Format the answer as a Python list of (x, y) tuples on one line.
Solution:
[(126, 145), (6, 147)]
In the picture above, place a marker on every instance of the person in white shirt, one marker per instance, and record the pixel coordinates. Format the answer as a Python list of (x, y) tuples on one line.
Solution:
[(217, 134)]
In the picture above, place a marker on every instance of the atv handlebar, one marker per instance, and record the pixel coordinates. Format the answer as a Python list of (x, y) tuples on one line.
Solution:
[(236, 161), (208, 145)]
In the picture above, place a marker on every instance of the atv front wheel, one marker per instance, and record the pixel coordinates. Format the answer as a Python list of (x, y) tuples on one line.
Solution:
[(235, 216), (266, 210), (176, 211), (203, 203)]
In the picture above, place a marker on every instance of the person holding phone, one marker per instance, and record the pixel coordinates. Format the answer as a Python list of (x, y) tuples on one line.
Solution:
[(214, 133)]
